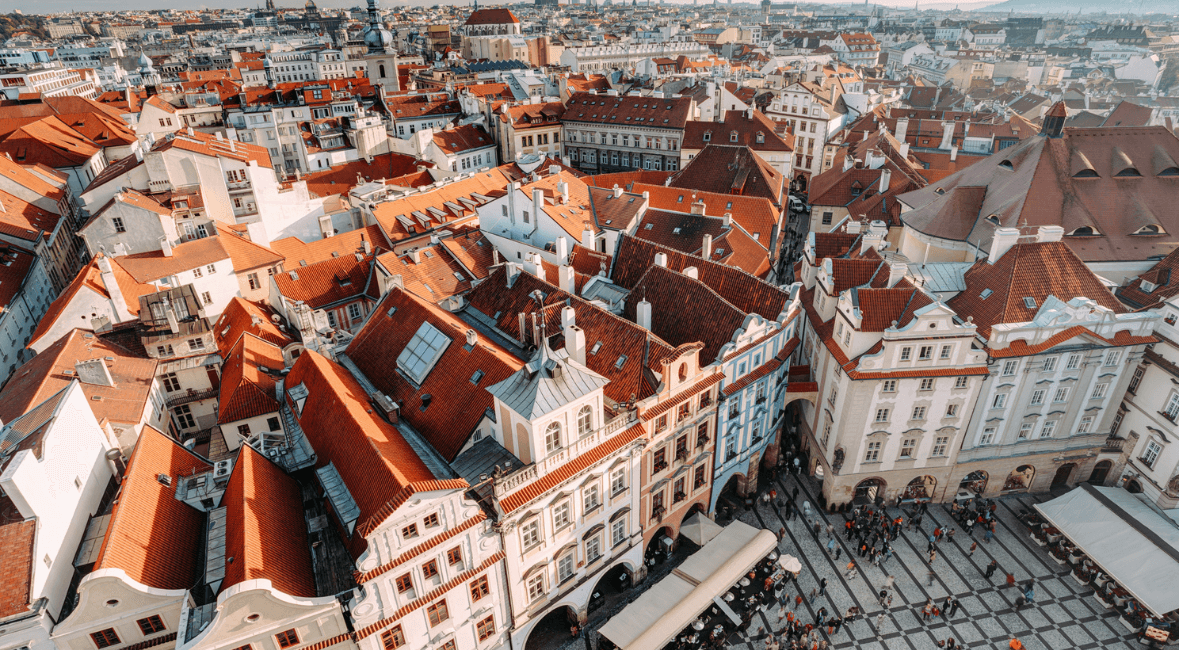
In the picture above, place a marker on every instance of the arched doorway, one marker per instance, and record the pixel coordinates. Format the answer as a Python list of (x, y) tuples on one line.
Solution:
[(1133, 486), (1100, 472), (974, 483), (660, 546), (800, 182), (553, 631), (613, 583), (729, 500), (1020, 479), (869, 490), (1063, 475), (920, 488)]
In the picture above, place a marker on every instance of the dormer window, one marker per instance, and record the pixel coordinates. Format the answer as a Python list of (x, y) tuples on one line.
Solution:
[(761, 137), (856, 189), (1170, 171), (1150, 229), (708, 136), (732, 136), (1084, 231), (1006, 164), (1086, 173), (1147, 286), (1128, 172)]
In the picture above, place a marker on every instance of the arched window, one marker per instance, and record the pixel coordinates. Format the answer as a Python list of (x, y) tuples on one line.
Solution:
[(552, 437), (382, 70), (683, 371), (585, 421)]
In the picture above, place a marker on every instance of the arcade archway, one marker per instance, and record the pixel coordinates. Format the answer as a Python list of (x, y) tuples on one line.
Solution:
[(869, 490), (920, 488), (974, 482), (1020, 480)]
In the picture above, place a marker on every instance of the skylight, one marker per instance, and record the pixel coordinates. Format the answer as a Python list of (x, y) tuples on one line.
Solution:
[(1028, 302), (621, 361), (597, 346), (986, 293), (423, 351)]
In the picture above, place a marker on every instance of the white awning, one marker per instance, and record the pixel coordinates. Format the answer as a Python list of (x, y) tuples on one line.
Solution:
[(700, 529), (1125, 537), (674, 602)]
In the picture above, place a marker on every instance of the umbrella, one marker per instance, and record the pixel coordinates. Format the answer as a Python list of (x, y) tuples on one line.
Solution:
[(790, 563), (700, 529)]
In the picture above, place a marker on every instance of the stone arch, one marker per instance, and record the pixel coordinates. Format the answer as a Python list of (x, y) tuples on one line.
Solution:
[(921, 488), (869, 490), (1020, 479), (1100, 472), (614, 581), (975, 482), (1063, 475), (553, 628), (1133, 486)]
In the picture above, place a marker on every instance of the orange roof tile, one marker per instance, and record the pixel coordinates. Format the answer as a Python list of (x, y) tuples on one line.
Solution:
[(151, 266), (89, 277), (298, 253), (472, 251), (329, 282), (237, 319), (246, 390), (245, 254), (16, 576), (433, 277)]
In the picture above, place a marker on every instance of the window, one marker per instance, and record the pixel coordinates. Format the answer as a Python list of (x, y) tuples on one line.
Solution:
[(552, 437), (196, 273), (1099, 390), (1074, 362), (1009, 367), (422, 352), (873, 453), (212, 268), (430, 569), (151, 625), (1049, 364), (479, 588), (826, 217), (561, 515), (1172, 409), (207, 297), (882, 415), (119, 227), (945, 353), (1037, 397), (617, 482), (393, 638), (1000, 401), (485, 628), (1085, 425), (927, 383), (987, 437), (1111, 357), (171, 383), (939, 446), (1149, 456), (1061, 395), (1048, 428), (1117, 422), (960, 382), (618, 531), (535, 587), (585, 421), (1135, 380), (834, 395), (926, 353), (196, 344), (952, 411), (889, 386), (431, 520), (699, 479), (593, 548), (454, 556), (592, 497), (906, 353), (437, 613), (184, 418), (404, 583), (1025, 430), (253, 280), (908, 447), (410, 531), (243, 430), (105, 638), (287, 639), (565, 567), (918, 413), (530, 534)]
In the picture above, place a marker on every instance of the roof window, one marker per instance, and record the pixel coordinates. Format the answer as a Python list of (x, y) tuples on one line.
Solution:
[(621, 361), (1128, 172), (1084, 231), (986, 293), (1150, 229), (422, 352), (1029, 302), (1086, 173), (1006, 164)]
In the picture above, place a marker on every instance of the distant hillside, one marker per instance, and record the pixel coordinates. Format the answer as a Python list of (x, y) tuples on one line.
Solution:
[(1087, 6), (12, 23)]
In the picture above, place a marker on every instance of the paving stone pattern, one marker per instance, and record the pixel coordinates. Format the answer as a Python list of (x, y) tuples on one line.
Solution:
[(1065, 616)]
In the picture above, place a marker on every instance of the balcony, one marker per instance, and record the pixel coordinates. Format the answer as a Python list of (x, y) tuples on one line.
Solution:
[(191, 395), (236, 186), (1114, 444)]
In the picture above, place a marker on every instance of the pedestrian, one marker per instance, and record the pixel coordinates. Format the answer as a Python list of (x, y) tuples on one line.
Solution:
[(851, 571), (1010, 579), (806, 509), (863, 549), (890, 583), (830, 546), (781, 533), (932, 556), (879, 623), (817, 526), (989, 534), (945, 610), (925, 611), (954, 607), (937, 534), (814, 594), (830, 530), (797, 601), (838, 551), (929, 578), (991, 568), (822, 586), (973, 547), (794, 493), (950, 534), (781, 616), (820, 616)]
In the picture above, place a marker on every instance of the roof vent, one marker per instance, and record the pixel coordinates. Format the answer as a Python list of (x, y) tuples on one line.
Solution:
[(164, 480)]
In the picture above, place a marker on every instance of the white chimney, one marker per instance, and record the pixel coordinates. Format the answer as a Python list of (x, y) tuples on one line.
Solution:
[(1050, 233), (106, 271), (874, 237), (94, 371), (954, 153), (947, 135), (575, 343), (617, 191), (1001, 242), (565, 279), (166, 246), (848, 162), (561, 246), (698, 207), (533, 265), (692, 272), (706, 247), (661, 259), (563, 190), (537, 204), (885, 177), (472, 338), (904, 151), (643, 314), (896, 272), (902, 128), (587, 237)]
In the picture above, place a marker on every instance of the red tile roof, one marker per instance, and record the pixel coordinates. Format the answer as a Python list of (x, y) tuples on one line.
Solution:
[(16, 575), (726, 169), (265, 532), (298, 253), (245, 254), (1161, 276), (151, 266), (472, 251), (685, 310), (747, 129), (639, 112), (754, 213), (342, 178), (246, 390), (462, 139), (457, 404), (435, 275), (89, 277), (153, 537), (237, 319), (329, 282), (492, 16)]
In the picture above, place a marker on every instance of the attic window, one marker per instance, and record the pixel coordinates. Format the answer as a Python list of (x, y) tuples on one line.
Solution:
[(422, 352), (1006, 164), (732, 136), (621, 361), (1170, 171), (994, 218), (1128, 172), (1029, 302), (986, 293), (392, 310), (648, 226), (680, 199), (1083, 231), (597, 346), (1149, 229), (1147, 286), (940, 191), (708, 136), (761, 137), (675, 231), (1087, 173), (476, 377)]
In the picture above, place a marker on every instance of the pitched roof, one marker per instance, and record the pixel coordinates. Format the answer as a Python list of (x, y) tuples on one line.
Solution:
[(247, 390), (726, 169), (756, 214), (328, 282), (245, 254), (90, 277), (299, 253), (492, 16), (46, 374), (238, 318), (455, 201), (473, 251), (748, 130), (641, 112), (1154, 286), (1033, 270), (153, 265), (17, 538), (42, 180), (461, 139), (342, 178), (433, 277), (152, 536), (49, 142), (457, 399), (685, 310), (265, 532)]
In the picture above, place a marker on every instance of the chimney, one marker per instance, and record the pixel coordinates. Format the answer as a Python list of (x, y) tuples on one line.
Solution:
[(472, 338), (533, 265), (954, 153), (885, 177), (617, 191), (896, 272), (166, 246), (1050, 233), (1001, 242), (565, 279), (368, 247), (643, 314), (874, 237), (554, 170), (706, 247), (848, 162), (852, 227), (122, 314), (947, 135), (563, 190), (416, 256), (170, 314), (537, 204), (727, 219), (661, 259), (561, 246), (94, 372), (587, 237), (698, 207), (692, 272), (902, 128), (904, 150)]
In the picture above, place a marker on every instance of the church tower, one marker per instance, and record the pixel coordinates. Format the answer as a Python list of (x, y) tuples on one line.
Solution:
[(381, 58)]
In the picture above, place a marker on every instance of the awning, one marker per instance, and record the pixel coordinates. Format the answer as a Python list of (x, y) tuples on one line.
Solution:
[(1125, 537), (700, 529), (674, 602)]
